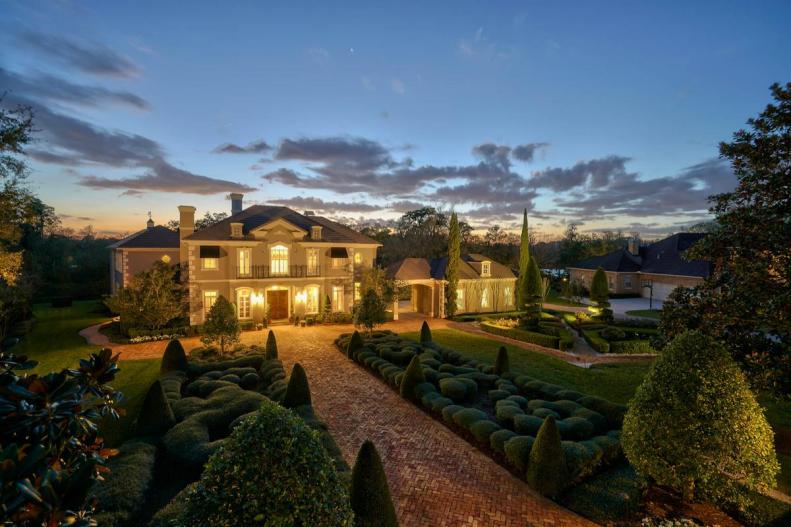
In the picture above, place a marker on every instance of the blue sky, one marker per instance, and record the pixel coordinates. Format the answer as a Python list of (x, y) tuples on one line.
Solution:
[(366, 109)]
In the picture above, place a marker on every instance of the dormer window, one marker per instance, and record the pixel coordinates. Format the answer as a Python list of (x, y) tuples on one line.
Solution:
[(486, 269), (315, 232), (236, 230)]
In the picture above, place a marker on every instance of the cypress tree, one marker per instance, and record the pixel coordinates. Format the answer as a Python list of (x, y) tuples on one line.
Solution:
[(425, 333), (600, 293), (370, 494), (174, 358), (546, 472), (412, 377), (155, 416), (298, 390), (501, 364), (524, 263), (271, 346), (452, 268), (532, 292)]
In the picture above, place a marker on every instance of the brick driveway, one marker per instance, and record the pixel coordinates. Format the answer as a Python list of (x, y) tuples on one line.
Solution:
[(436, 478)]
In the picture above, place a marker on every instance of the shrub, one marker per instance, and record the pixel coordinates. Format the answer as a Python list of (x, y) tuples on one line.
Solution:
[(370, 494), (517, 451), (614, 413), (271, 346), (547, 467), (498, 395), (156, 416), (454, 388), (606, 498), (612, 333), (298, 391), (527, 424), (468, 416), (575, 428), (506, 413), (533, 337), (483, 429), (425, 333), (174, 358), (449, 411), (121, 495), (498, 439), (412, 377), (694, 425), (599, 344), (355, 343), (629, 347), (271, 471), (249, 381)]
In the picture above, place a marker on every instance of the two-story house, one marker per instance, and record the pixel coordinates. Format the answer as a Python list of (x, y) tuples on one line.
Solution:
[(268, 260)]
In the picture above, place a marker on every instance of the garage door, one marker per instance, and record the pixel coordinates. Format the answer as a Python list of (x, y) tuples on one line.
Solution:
[(661, 290)]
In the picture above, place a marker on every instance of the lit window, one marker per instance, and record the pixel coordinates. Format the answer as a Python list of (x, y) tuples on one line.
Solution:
[(313, 262), (243, 303), (337, 263), (460, 299), (358, 257), (337, 298), (312, 299), (279, 265), (209, 298), (209, 257), (357, 294), (485, 298), (315, 232), (486, 269), (244, 261), (236, 230), (165, 258), (508, 296)]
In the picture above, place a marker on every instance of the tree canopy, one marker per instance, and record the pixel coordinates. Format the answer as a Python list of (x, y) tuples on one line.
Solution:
[(152, 298), (221, 325)]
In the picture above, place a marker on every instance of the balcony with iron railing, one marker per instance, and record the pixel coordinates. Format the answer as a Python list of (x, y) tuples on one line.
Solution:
[(266, 271)]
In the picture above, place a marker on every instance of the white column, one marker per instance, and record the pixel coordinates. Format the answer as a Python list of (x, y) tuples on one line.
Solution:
[(395, 308)]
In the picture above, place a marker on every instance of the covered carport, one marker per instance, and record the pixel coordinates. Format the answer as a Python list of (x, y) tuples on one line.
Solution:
[(427, 293)]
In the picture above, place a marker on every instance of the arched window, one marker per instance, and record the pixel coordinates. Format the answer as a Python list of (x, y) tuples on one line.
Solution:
[(243, 303), (279, 260)]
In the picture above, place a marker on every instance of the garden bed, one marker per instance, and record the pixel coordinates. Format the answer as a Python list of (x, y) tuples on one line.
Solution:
[(550, 335)]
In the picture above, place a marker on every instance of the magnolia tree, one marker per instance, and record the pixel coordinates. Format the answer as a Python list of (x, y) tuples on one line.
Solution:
[(151, 300), (370, 311), (221, 325)]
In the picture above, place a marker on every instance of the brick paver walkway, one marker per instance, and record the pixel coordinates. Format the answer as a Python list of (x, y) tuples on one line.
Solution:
[(437, 479)]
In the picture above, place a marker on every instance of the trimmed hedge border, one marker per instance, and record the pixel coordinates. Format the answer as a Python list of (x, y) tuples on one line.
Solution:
[(564, 341)]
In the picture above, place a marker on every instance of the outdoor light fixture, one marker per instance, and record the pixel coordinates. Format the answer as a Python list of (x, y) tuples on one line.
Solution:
[(301, 297), (257, 298)]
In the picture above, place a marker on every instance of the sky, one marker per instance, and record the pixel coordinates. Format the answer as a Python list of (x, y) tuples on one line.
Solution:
[(606, 114)]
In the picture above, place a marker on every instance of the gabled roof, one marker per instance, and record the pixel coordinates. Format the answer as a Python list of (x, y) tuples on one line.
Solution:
[(662, 257), (258, 215), (434, 268), (157, 237)]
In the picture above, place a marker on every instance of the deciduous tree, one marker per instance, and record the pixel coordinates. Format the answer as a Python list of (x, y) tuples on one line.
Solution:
[(221, 325)]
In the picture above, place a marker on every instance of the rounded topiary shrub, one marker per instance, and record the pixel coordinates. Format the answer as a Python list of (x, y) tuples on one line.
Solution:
[(156, 416), (174, 358), (501, 364), (370, 494), (517, 451), (425, 333), (694, 425), (612, 333), (271, 346), (546, 472), (355, 343), (412, 377), (298, 390), (272, 470), (483, 429)]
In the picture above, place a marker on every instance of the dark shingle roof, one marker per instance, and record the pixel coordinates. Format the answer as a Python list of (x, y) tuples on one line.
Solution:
[(258, 215), (428, 268), (158, 237), (662, 257)]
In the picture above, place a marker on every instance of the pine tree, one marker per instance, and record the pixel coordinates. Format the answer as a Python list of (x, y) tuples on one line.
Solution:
[(370, 494), (452, 268), (221, 325), (524, 264)]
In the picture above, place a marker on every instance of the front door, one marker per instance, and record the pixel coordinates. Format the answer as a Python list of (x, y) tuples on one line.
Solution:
[(278, 304)]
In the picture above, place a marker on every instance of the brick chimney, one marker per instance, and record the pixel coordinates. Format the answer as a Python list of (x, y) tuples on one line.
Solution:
[(633, 246), (186, 220), (236, 203)]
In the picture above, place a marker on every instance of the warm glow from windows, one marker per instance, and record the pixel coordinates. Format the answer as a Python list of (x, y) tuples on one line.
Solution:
[(209, 298), (243, 303), (279, 260), (460, 298), (357, 294), (486, 268), (358, 257), (337, 298), (485, 298), (210, 263), (313, 261), (312, 299), (509, 299), (244, 261)]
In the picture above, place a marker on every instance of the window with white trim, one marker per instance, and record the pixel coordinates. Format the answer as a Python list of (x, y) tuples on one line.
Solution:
[(509, 296), (460, 299), (337, 298), (313, 261), (315, 232), (486, 269), (243, 303), (312, 299), (209, 298), (485, 298), (279, 260), (244, 259)]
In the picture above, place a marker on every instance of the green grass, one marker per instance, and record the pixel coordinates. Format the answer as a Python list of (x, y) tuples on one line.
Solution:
[(647, 313), (55, 344), (616, 382), (554, 298)]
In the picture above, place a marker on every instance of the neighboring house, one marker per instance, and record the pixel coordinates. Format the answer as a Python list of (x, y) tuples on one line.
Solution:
[(660, 264), (268, 259), (484, 285), (139, 251)]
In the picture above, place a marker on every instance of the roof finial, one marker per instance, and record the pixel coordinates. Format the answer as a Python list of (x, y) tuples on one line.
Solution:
[(150, 222)]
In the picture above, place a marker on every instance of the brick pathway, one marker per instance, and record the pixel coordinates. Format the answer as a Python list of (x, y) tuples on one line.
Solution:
[(437, 479)]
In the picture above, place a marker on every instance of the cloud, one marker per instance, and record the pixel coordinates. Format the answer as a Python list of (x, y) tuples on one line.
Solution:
[(71, 217), (596, 173), (88, 57), (256, 147), (161, 176), (55, 89), (480, 47), (493, 154), (527, 151), (318, 204), (398, 86)]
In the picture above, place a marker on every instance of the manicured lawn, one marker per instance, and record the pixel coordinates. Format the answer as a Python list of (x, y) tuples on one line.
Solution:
[(647, 313), (554, 298), (614, 382), (55, 344)]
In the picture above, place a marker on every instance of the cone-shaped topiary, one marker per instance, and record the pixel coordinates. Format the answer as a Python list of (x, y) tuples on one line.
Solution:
[(532, 294), (694, 425), (298, 391), (174, 358), (271, 346), (370, 495), (412, 377), (156, 416), (524, 263), (546, 472), (355, 343), (425, 333), (501, 364), (600, 293)]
